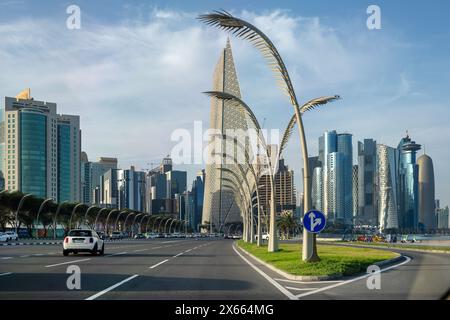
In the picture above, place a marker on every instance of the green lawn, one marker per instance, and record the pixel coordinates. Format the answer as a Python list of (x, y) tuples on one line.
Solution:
[(404, 246), (334, 259)]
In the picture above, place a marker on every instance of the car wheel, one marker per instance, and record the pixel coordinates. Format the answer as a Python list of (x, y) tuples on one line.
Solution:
[(65, 253), (94, 251), (102, 252)]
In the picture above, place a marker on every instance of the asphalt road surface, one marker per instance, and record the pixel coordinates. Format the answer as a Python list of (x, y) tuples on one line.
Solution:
[(196, 270)]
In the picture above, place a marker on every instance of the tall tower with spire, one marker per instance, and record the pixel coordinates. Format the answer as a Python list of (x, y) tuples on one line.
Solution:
[(219, 207)]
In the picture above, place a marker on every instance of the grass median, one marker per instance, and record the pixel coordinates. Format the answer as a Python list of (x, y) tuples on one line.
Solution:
[(334, 259)]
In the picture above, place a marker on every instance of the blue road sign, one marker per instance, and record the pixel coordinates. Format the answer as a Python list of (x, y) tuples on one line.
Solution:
[(314, 221)]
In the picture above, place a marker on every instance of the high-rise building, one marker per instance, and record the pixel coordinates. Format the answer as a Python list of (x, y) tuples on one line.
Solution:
[(224, 115), (387, 193), (69, 156), (408, 184), (284, 189), (367, 153), (198, 191), (91, 182), (427, 215), (355, 191), (336, 158), (317, 189), (176, 183), (443, 218), (39, 150), (187, 213), (131, 189), (108, 194)]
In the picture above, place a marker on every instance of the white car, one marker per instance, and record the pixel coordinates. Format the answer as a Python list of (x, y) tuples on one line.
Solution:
[(4, 237), (12, 235), (83, 240)]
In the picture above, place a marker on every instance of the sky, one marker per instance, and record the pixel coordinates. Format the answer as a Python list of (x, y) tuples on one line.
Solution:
[(135, 71)]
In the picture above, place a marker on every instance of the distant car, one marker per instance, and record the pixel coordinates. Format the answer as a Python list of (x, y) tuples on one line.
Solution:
[(12, 235), (116, 235), (139, 236), (83, 240), (4, 237)]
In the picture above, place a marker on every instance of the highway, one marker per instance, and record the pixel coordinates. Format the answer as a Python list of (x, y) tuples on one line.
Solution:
[(191, 269)]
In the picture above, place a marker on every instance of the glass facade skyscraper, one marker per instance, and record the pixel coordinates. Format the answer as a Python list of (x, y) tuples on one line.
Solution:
[(367, 158), (64, 177), (33, 150), (408, 184)]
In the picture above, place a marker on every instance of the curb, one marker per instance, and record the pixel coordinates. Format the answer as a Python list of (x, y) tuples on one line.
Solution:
[(29, 243), (393, 248), (315, 278)]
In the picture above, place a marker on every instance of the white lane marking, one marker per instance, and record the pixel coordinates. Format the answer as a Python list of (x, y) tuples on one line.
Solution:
[(38, 254), (301, 289), (116, 254), (177, 255), (188, 250), (95, 296), (6, 258), (67, 262), (156, 248), (25, 256), (5, 274), (308, 282), (268, 278), (139, 250), (408, 259), (159, 263), (172, 241)]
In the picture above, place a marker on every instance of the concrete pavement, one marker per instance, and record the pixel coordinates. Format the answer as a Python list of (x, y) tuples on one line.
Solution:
[(197, 270)]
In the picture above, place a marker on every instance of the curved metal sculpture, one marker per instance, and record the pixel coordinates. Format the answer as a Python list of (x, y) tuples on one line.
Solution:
[(244, 30)]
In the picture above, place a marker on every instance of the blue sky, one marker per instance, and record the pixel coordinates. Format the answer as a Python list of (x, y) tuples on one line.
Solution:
[(136, 69)]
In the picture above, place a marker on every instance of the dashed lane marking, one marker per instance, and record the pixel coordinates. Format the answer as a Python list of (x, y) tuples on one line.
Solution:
[(95, 296), (158, 264), (67, 262)]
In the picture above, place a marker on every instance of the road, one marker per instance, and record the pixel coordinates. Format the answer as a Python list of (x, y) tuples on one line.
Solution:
[(197, 270)]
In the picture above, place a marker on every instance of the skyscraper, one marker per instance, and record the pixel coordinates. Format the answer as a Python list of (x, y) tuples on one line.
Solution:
[(408, 186), (131, 189), (427, 216), (355, 191), (336, 156), (224, 115), (176, 183), (387, 193), (198, 191), (40, 150), (91, 182), (367, 154), (69, 156), (317, 189)]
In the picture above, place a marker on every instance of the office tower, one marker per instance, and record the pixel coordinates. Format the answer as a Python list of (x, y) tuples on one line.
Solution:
[(367, 153), (314, 163), (29, 162), (176, 183), (85, 178), (317, 189), (93, 171), (427, 215), (408, 186), (284, 190), (186, 209), (443, 218), (345, 147), (69, 156), (198, 191), (131, 189), (355, 191), (327, 145), (108, 192), (224, 115), (387, 193)]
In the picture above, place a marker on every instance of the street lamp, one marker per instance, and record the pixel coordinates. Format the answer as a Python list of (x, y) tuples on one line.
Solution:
[(39, 212), (107, 219), (73, 212), (98, 216), (87, 212), (18, 209), (55, 220)]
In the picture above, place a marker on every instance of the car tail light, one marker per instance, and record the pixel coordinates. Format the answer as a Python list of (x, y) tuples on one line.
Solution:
[(66, 239), (91, 240)]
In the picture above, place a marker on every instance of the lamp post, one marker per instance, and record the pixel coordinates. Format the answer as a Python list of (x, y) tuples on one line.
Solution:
[(41, 207), (107, 219), (86, 214), (73, 212), (117, 219), (165, 225), (56, 218), (22, 200), (134, 221), (98, 216)]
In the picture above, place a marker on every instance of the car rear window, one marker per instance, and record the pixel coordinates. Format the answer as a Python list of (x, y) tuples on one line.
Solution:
[(80, 233)]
